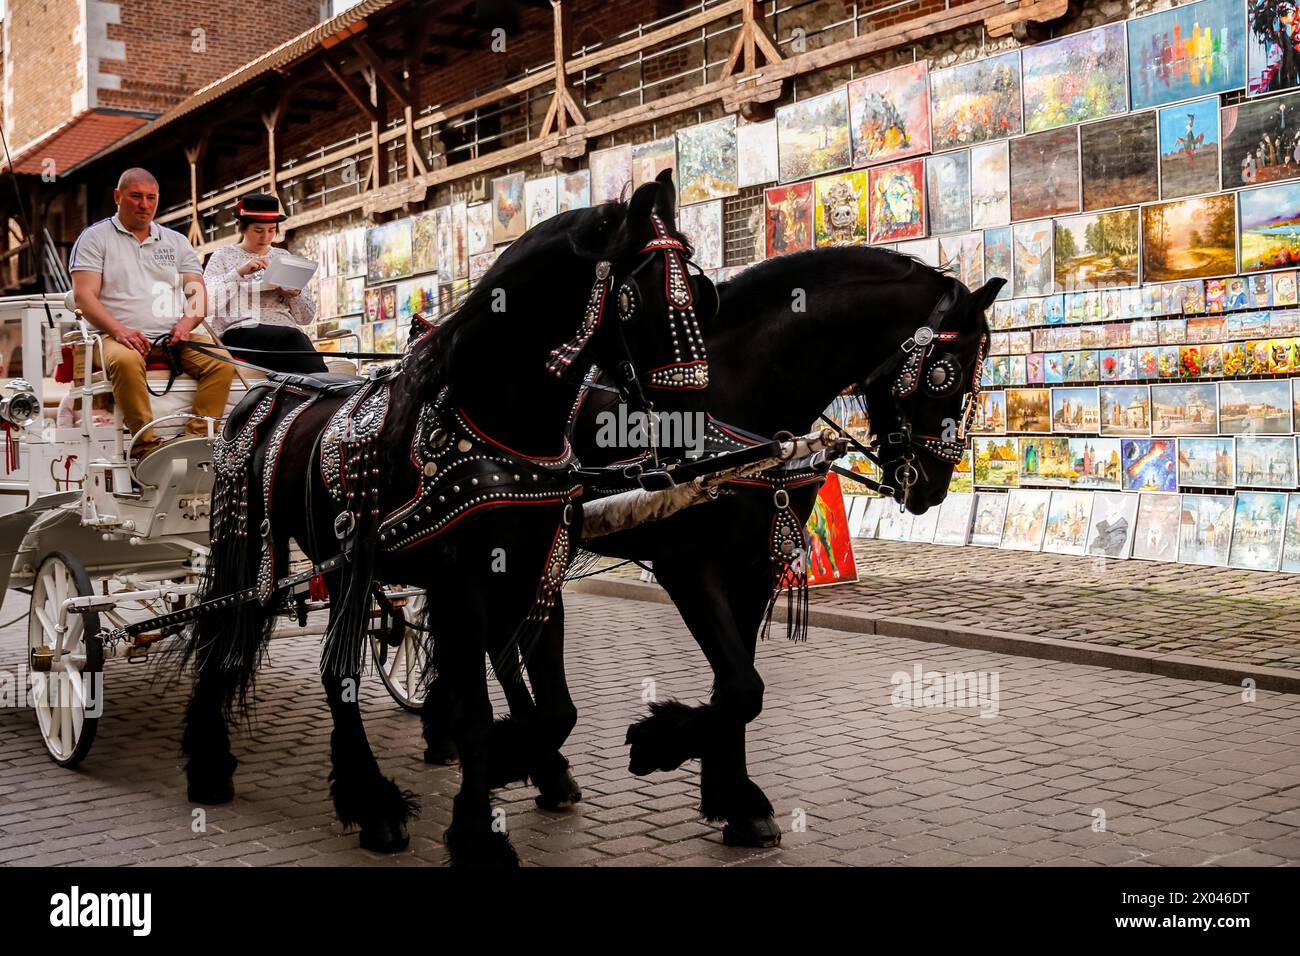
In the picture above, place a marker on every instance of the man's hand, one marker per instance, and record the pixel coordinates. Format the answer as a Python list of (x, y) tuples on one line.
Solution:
[(181, 330), (132, 338)]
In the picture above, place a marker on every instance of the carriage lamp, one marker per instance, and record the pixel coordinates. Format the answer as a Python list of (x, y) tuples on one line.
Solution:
[(19, 405)]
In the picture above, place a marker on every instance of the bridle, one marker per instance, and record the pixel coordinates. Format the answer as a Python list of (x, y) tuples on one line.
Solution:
[(920, 367)]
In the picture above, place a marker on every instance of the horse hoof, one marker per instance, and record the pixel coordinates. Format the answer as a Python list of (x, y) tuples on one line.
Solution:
[(752, 832), (442, 752), (480, 849), (559, 792), (211, 792), (386, 836)]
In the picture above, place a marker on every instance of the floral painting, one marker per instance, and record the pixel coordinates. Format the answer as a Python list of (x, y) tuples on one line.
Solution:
[(812, 136), (1074, 78), (975, 102)]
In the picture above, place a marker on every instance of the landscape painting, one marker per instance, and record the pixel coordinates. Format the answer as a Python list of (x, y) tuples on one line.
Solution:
[(996, 462), (1205, 462), (897, 201), (1155, 536), (1095, 463), (388, 251), (756, 147), (947, 190), (1190, 409), (424, 243), (990, 185), (1272, 46), (1257, 528), (1074, 78), (1205, 529), (789, 218), (1125, 410), (1187, 51), (1119, 161), (1075, 410), (1255, 408), (706, 161), (1266, 462), (840, 216), (889, 114), (1045, 174), (1026, 519), (1291, 537), (812, 136), (1029, 410), (1032, 258), (1189, 148), (1096, 250), (976, 102), (1270, 227), (1259, 141), (1189, 238)]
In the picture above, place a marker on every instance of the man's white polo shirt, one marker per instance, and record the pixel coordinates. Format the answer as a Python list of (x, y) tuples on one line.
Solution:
[(142, 280)]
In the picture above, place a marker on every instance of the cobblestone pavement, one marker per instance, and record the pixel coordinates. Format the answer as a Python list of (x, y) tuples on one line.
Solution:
[(1183, 772), (1220, 614)]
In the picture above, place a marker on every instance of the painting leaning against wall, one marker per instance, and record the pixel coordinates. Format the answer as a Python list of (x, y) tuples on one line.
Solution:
[(1096, 250), (1118, 161)]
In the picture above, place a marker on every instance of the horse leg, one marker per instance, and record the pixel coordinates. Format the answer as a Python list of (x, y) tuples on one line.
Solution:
[(210, 766), (554, 719)]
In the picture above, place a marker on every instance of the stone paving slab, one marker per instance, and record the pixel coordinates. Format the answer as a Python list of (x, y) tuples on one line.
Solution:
[(1181, 772)]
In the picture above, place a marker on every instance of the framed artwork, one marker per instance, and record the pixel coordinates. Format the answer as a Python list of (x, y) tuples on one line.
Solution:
[(756, 162), (997, 258), (926, 250), (1149, 464), (1125, 409), (889, 115), (840, 216), (1155, 532), (702, 224), (996, 462), (1045, 173), (1266, 462), (478, 220), (541, 199), (446, 239), (1095, 463), (706, 161), (1029, 410), (1189, 148), (1026, 519), (897, 201), (789, 218), (385, 335), (1031, 258), (953, 526), (1260, 139), (812, 136), (963, 255), (894, 525), (830, 547), (460, 241), (1205, 463), (388, 251), (1272, 42), (611, 171), (990, 412), (1185, 409), (976, 102), (1044, 461), (424, 243), (1118, 161), (1074, 78), (481, 262), (1067, 522), (1189, 50), (990, 513), (1258, 525), (947, 191), (1205, 529), (1255, 408), (509, 217), (1075, 410), (1189, 238), (651, 158), (990, 185), (1291, 535), (1111, 525), (1096, 250), (575, 190), (1270, 227), (923, 526), (869, 522), (962, 479)]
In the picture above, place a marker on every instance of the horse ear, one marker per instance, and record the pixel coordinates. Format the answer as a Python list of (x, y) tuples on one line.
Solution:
[(641, 205), (983, 297), (666, 201)]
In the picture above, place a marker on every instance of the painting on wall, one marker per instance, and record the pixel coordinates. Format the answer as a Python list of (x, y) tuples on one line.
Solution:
[(575, 190), (889, 115), (651, 158), (1032, 258), (1270, 227), (1119, 161), (1074, 78), (757, 161), (1125, 410), (478, 220), (1266, 462), (541, 199), (1185, 409), (388, 251), (1205, 463), (1029, 410), (841, 210), (1187, 51), (1260, 141), (1272, 46), (947, 191), (1189, 238), (702, 224), (997, 257), (509, 216), (990, 185), (976, 102), (789, 215), (1096, 250), (1189, 148), (1255, 408), (963, 256), (812, 136), (1205, 529), (996, 462), (1150, 464), (1045, 174), (424, 243), (446, 238), (897, 201), (1291, 536), (611, 172), (706, 161)]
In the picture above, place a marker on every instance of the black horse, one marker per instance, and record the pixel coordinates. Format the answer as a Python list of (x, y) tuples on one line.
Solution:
[(908, 340), (453, 475)]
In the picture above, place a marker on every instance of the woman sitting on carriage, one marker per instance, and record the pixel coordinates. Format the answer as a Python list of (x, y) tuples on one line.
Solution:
[(250, 314)]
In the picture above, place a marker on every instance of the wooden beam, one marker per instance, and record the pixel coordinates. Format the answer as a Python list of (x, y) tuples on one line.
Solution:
[(382, 72), (195, 154), (362, 103), (1030, 11), (690, 24)]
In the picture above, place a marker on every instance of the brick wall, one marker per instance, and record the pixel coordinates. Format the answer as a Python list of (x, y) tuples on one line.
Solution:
[(43, 84)]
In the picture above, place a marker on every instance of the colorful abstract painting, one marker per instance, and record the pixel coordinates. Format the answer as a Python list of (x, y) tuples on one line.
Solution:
[(1189, 238), (947, 191), (651, 158), (889, 115), (611, 173), (897, 201), (1187, 51), (1111, 525), (1270, 227), (830, 547), (541, 199), (509, 217), (990, 185), (1074, 78), (1205, 529), (789, 218), (758, 161), (702, 225), (976, 102), (1032, 258), (1045, 174), (388, 251), (1150, 464), (1272, 46), (1096, 250), (575, 190), (841, 210), (1118, 161), (812, 136), (1189, 148), (706, 161)]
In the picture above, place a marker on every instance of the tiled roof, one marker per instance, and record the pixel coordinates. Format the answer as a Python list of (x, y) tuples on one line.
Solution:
[(74, 141)]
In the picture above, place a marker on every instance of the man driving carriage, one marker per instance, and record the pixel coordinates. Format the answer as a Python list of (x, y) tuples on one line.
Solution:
[(139, 283)]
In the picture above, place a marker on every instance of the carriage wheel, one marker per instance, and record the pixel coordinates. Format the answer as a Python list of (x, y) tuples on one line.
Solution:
[(67, 667), (401, 667)]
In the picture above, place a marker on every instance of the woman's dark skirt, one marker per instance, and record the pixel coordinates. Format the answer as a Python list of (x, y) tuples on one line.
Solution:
[(274, 338)]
